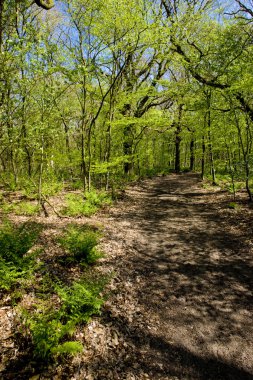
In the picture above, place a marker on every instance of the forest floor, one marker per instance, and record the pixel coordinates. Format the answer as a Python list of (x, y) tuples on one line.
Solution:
[(179, 304)]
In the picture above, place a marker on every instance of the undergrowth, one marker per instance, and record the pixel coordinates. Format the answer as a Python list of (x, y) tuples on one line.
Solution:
[(80, 242), (50, 322), (21, 208), (85, 205), (51, 330), (17, 260)]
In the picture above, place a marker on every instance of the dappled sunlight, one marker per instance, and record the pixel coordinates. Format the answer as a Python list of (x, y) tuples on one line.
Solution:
[(193, 274)]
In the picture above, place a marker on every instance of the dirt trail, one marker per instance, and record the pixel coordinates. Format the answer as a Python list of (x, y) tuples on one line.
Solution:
[(181, 303)]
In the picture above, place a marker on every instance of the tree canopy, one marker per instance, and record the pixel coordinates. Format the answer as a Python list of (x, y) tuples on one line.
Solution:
[(100, 93)]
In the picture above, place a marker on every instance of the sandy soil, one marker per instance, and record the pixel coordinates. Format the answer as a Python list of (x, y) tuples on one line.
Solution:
[(180, 301)]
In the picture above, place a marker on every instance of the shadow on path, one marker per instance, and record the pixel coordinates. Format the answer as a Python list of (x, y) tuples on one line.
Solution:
[(193, 276)]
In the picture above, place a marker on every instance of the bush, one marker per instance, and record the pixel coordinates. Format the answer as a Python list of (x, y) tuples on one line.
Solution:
[(233, 205), (98, 198), (80, 301), (50, 330), (50, 187), (79, 205), (47, 332), (26, 208), (17, 262), (16, 241), (81, 244)]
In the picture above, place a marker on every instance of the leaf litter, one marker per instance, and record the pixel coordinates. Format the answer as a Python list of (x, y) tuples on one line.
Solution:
[(178, 302)]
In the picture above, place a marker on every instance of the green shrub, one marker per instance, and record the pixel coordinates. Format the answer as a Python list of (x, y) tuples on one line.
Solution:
[(76, 184), (98, 198), (233, 205), (11, 274), (16, 241), (7, 207), (81, 300), (81, 244), (50, 188), (17, 263), (79, 205), (27, 208), (70, 348), (50, 330), (47, 332), (76, 205)]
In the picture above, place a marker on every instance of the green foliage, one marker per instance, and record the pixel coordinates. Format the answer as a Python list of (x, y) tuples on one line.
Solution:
[(16, 241), (50, 187), (78, 205), (233, 205), (8, 179), (81, 300), (21, 208), (69, 348), (224, 180), (16, 297), (81, 244), (11, 274), (98, 198), (47, 332), (76, 184), (26, 208), (17, 262), (50, 330)]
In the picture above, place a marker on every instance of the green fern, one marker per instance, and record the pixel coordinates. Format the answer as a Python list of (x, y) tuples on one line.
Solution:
[(80, 301), (50, 330), (68, 348), (17, 262), (81, 244)]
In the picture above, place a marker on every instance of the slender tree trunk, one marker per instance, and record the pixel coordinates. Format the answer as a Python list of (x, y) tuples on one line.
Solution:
[(41, 200), (231, 170), (245, 152), (108, 145), (210, 145), (89, 157), (203, 157), (83, 131), (127, 149), (192, 154), (178, 140), (83, 160)]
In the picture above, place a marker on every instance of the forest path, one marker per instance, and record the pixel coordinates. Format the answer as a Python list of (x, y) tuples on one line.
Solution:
[(181, 301)]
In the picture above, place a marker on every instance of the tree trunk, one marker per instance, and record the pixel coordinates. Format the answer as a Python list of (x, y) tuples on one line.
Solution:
[(178, 140), (203, 157), (210, 145), (192, 154)]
